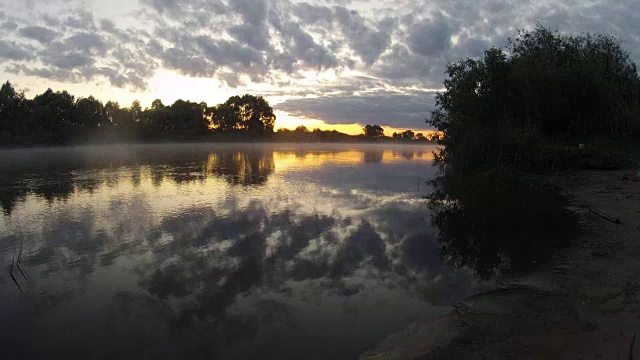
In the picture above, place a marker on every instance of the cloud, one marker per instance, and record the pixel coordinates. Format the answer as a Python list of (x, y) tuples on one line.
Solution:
[(86, 42), (393, 109), (38, 33), (68, 61), (430, 37), (9, 25), (255, 36), (12, 51), (307, 50), (311, 14), (402, 45), (253, 12), (365, 41), (45, 73)]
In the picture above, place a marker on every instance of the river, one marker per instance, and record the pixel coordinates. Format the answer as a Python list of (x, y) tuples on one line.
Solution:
[(225, 251)]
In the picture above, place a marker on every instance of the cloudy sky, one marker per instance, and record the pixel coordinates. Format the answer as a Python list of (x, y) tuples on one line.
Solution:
[(327, 64)]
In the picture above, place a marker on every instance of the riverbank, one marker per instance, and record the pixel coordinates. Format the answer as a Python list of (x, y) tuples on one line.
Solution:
[(583, 304)]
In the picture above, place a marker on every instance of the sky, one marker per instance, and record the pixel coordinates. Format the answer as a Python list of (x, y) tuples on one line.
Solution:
[(333, 64)]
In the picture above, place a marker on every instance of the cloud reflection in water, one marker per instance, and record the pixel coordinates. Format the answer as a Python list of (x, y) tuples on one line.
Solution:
[(227, 253)]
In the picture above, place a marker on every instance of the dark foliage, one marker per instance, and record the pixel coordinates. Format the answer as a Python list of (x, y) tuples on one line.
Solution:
[(496, 224), (373, 131), (54, 118), (528, 106)]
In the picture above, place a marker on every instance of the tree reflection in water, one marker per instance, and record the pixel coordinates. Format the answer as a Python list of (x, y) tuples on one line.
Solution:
[(497, 225), (33, 174)]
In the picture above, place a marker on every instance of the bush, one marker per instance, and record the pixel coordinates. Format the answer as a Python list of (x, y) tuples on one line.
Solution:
[(520, 107)]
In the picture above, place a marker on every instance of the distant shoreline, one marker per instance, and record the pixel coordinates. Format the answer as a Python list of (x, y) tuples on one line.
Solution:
[(219, 141)]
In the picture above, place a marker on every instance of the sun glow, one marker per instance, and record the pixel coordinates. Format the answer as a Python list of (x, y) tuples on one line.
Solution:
[(293, 161)]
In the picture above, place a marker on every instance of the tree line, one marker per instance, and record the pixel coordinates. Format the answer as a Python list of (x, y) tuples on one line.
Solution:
[(531, 104), (376, 131), (370, 133), (57, 118), (60, 118)]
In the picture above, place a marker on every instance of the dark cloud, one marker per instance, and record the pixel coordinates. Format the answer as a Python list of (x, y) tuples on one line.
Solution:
[(253, 12), (52, 74), (68, 61), (307, 50), (86, 42), (9, 25), (12, 51), (38, 33), (107, 26), (256, 36), (393, 109), (311, 14), (400, 66), (365, 41), (430, 37), (175, 8), (80, 20)]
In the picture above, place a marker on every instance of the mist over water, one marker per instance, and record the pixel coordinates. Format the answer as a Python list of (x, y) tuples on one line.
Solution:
[(218, 251)]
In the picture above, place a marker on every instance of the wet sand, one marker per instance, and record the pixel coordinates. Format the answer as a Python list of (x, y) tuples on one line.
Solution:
[(583, 304)]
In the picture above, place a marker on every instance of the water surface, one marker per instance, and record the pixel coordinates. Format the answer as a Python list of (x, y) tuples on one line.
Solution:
[(217, 251)]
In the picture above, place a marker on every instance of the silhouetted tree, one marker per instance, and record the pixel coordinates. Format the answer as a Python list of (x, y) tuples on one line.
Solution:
[(225, 118), (14, 110), (188, 118), (91, 113), (408, 135), (561, 88), (57, 118), (255, 115), (119, 117), (374, 131), (54, 116)]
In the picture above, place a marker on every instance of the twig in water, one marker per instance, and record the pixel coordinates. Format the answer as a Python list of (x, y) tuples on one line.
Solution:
[(24, 275), (11, 274), (606, 217), (633, 340)]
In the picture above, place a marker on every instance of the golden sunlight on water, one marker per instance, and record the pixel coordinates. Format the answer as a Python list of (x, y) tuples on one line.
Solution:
[(291, 160)]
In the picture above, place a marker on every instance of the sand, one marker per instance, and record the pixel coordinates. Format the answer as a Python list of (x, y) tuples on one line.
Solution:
[(583, 304)]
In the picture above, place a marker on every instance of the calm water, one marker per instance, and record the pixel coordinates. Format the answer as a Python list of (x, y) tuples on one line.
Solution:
[(217, 251)]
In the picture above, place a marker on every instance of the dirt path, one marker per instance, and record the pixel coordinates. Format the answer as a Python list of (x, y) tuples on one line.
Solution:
[(583, 304)]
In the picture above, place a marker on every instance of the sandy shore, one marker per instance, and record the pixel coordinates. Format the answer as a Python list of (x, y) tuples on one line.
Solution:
[(583, 304)]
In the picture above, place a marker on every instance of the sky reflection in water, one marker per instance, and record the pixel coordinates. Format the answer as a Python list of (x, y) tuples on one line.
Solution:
[(218, 251)]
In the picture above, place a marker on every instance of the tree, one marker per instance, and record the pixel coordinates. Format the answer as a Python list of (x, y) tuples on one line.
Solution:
[(225, 118), (91, 113), (255, 115), (119, 117), (188, 118), (374, 131), (54, 116), (407, 135), (136, 112), (156, 118), (420, 136), (13, 111), (545, 88)]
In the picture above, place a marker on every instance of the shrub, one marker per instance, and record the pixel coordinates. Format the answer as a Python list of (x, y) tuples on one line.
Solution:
[(520, 107)]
